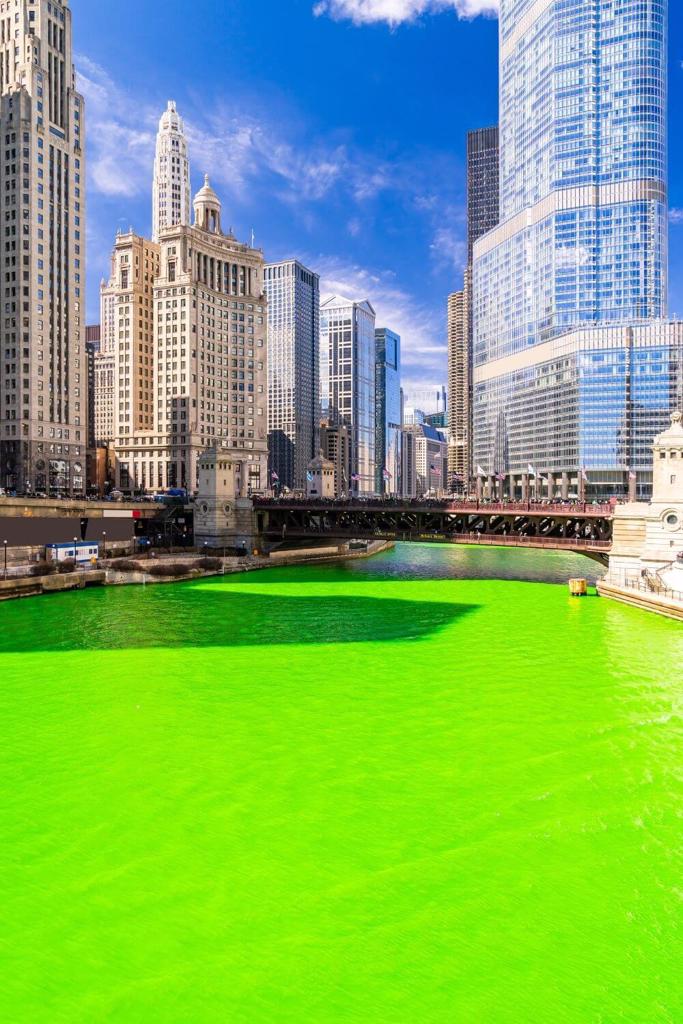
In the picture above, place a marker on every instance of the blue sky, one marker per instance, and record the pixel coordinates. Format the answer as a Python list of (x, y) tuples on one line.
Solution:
[(335, 129)]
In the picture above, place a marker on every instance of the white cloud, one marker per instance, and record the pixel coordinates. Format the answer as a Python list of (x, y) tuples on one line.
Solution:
[(121, 134), (243, 152), (423, 332), (395, 12), (675, 215)]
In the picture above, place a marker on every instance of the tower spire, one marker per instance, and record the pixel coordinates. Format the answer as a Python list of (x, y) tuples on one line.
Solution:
[(171, 204)]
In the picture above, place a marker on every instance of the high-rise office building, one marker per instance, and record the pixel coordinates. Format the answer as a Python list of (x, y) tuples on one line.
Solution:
[(191, 352), (387, 411), (575, 370), (335, 445), (483, 211), (430, 460), (293, 294), (92, 348), (482, 184), (408, 464), (347, 381), (459, 466), (130, 296), (43, 368), (171, 203)]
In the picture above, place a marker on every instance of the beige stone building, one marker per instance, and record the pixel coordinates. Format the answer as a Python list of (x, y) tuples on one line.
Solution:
[(191, 352), (459, 386), (43, 365)]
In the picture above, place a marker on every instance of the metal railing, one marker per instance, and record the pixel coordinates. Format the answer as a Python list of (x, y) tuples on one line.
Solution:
[(441, 505), (644, 586)]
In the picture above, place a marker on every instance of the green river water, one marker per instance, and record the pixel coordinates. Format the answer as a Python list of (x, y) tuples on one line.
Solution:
[(379, 792)]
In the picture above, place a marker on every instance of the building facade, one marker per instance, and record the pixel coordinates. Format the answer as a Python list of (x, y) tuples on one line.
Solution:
[(347, 381), (293, 294), (483, 204), (335, 444), (459, 384), (570, 289), (430, 461), (408, 464), (191, 362), (388, 419), (171, 203), (92, 347), (43, 371)]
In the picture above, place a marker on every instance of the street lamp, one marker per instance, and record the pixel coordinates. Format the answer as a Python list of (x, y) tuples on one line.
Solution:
[(5, 547), (104, 543)]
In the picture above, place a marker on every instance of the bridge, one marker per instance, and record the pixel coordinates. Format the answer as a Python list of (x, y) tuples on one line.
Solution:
[(35, 522), (582, 528)]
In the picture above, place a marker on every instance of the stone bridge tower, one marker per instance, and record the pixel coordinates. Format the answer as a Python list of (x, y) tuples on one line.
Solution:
[(224, 511), (648, 538)]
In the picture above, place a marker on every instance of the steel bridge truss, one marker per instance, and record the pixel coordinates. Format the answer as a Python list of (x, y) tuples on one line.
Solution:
[(582, 529)]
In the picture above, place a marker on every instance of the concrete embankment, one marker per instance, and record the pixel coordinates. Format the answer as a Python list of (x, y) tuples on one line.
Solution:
[(252, 563), (31, 586), (660, 604), (109, 575)]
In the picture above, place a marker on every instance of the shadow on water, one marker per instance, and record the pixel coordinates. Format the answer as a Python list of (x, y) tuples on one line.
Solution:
[(185, 616)]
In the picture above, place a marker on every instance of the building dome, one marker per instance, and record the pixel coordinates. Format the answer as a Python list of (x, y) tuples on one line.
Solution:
[(207, 209)]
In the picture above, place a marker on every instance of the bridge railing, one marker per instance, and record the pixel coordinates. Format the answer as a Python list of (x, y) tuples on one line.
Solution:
[(445, 505)]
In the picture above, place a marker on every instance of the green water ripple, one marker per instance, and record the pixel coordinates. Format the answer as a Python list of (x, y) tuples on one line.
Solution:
[(378, 792)]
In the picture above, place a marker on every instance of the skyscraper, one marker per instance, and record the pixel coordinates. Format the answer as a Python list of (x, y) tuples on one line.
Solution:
[(459, 467), (293, 294), (483, 209), (347, 381), (191, 352), (387, 411), (574, 369), (171, 203), (43, 373)]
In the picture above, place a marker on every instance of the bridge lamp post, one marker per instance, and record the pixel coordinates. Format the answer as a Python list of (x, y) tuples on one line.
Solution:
[(4, 544), (104, 543)]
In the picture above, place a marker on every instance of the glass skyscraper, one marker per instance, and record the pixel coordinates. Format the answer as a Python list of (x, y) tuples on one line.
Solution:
[(575, 369), (293, 371), (347, 382), (387, 412)]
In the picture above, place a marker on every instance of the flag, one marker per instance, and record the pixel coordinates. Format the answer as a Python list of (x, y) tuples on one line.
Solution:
[(632, 476), (274, 476), (584, 475), (309, 476), (500, 477), (435, 469), (386, 474), (532, 471), (480, 471), (355, 478)]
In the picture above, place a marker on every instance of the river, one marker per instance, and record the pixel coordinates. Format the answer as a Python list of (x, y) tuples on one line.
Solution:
[(425, 788)]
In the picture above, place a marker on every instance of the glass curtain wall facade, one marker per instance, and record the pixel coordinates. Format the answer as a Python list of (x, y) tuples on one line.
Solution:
[(347, 381), (293, 371), (582, 241), (483, 189), (388, 412)]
